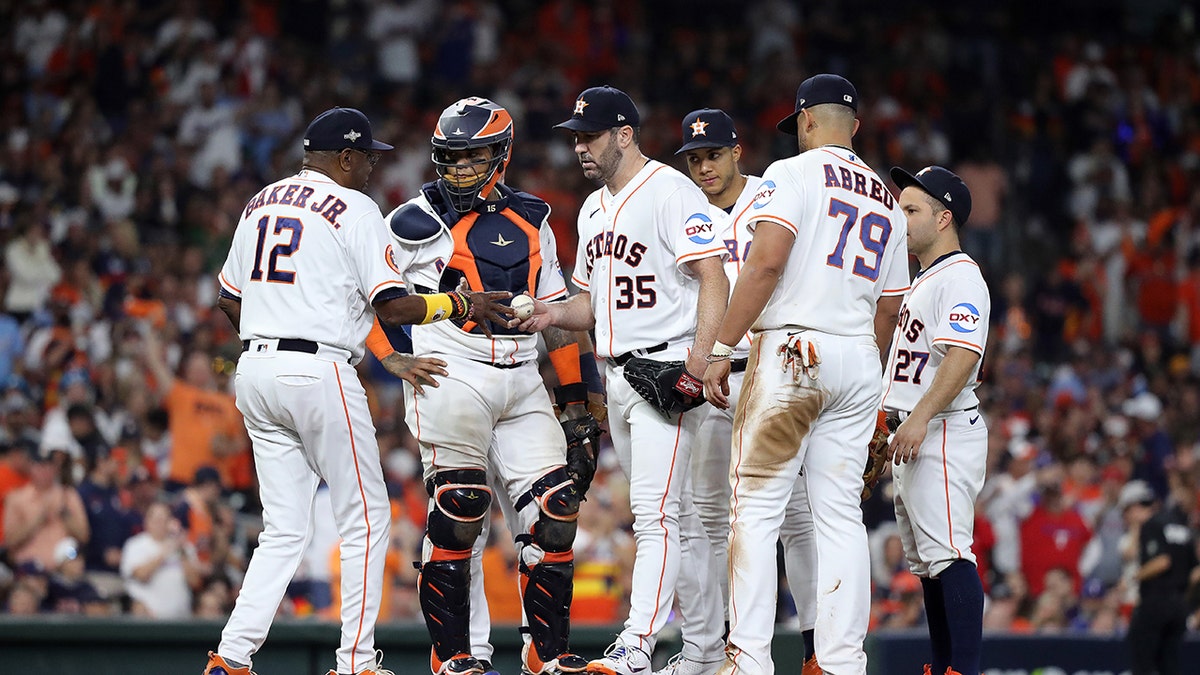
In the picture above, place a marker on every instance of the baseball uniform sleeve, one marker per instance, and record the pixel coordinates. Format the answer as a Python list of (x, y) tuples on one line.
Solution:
[(551, 284), (778, 200), (375, 257), (234, 272), (962, 310), (686, 229)]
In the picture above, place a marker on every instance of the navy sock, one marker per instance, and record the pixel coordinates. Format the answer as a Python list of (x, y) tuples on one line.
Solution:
[(963, 595), (810, 649), (935, 616)]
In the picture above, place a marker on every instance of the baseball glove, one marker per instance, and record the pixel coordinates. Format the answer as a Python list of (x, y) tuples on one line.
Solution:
[(666, 385), (876, 455)]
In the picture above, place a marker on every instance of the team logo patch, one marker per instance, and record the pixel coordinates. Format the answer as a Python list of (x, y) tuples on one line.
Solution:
[(964, 318), (699, 229), (390, 256), (766, 192)]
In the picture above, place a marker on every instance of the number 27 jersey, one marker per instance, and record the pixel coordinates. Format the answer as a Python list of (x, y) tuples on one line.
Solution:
[(948, 306)]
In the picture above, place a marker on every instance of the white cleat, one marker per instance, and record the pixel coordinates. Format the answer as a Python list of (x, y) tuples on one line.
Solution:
[(681, 665), (621, 659)]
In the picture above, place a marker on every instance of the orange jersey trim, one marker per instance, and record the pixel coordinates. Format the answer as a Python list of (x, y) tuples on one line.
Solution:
[(782, 222), (861, 166), (711, 253), (225, 282), (960, 343)]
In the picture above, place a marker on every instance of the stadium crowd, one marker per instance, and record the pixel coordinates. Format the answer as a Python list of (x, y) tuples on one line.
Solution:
[(132, 132)]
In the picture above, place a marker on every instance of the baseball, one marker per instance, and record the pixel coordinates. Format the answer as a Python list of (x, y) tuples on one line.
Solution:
[(523, 305)]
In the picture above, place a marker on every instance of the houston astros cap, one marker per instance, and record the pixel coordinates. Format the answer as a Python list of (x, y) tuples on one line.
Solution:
[(341, 128), (818, 89), (601, 108), (942, 184), (707, 128)]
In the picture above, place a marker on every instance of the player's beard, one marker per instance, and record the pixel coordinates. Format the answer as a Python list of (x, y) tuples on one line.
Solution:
[(605, 165)]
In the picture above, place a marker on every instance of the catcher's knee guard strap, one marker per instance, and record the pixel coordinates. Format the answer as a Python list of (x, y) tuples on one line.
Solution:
[(444, 588), (557, 499), (461, 499), (546, 591)]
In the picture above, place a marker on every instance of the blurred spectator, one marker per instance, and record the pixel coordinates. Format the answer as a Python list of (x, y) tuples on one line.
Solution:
[(206, 427), (107, 519), (1052, 538), (12, 346), (983, 237), (206, 520), (1008, 499), (69, 591), (16, 460), (32, 271), (160, 567), (40, 514)]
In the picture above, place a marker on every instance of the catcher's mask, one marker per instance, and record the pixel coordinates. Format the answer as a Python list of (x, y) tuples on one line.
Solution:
[(471, 123)]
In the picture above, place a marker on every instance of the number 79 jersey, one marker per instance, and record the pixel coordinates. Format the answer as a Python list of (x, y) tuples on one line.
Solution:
[(307, 258), (948, 306), (850, 246)]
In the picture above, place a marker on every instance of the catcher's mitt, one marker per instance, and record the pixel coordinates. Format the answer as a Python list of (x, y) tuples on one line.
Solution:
[(876, 455), (666, 385)]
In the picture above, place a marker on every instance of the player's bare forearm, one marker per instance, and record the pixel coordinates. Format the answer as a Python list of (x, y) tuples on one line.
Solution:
[(950, 379), (232, 309), (557, 337), (757, 281), (572, 314), (710, 309), (887, 314), (401, 311)]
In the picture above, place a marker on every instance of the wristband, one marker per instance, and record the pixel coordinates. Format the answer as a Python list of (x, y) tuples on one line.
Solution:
[(720, 352), (590, 373), (378, 342), (438, 306), (566, 364)]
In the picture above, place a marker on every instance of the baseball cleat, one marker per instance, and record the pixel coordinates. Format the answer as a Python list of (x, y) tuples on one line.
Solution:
[(219, 666), (811, 667), (460, 665), (376, 669), (488, 668), (621, 659), (681, 665)]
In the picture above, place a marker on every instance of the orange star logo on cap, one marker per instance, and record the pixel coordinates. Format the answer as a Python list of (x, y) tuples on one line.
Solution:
[(579, 106), (698, 128)]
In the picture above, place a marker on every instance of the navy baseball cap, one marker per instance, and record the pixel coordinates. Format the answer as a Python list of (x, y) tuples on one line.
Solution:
[(341, 128), (601, 108), (819, 89), (941, 184), (707, 128)]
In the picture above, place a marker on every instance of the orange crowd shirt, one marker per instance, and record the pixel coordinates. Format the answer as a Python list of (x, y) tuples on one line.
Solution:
[(197, 417)]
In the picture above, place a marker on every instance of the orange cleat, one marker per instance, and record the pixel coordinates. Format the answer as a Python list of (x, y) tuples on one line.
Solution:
[(811, 667), (218, 666)]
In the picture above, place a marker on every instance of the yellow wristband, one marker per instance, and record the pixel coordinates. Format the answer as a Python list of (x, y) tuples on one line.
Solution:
[(438, 306)]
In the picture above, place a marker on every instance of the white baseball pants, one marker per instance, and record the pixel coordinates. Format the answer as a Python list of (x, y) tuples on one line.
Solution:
[(308, 419)]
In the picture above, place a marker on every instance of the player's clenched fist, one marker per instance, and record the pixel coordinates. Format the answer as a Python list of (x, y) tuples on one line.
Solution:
[(541, 319)]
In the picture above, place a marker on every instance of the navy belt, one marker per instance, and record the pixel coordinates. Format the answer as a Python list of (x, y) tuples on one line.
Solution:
[(622, 359), (290, 345), (502, 366), (737, 365)]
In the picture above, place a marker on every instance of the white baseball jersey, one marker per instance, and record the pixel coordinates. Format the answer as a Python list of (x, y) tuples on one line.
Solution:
[(422, 266), (857, 251), (737, 237), (948, 306), (632, 256), (309, 227)]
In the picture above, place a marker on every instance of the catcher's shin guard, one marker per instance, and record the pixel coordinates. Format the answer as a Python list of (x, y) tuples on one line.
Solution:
[(547, 569), (444, 590), (546, 596)]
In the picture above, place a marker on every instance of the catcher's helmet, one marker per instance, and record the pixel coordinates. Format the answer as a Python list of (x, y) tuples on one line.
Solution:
[(471, 123)]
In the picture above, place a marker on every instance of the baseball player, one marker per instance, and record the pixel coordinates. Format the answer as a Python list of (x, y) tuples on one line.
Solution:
[(712, 152), (649, 264), (309, 265), (491, 405), (940, 447), (821, 291)]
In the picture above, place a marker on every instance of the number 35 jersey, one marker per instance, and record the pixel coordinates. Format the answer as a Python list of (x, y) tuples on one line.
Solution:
[(850, 246), (634, 250), (308, 257), (948, 306)]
